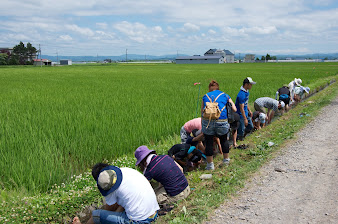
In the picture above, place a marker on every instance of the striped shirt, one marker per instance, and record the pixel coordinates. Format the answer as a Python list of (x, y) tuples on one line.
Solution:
[(268, 103)]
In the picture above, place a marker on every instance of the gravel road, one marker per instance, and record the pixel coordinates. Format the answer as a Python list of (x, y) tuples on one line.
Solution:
[(300, 185)]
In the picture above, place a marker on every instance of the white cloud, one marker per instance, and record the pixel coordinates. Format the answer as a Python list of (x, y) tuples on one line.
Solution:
[(139, 32), (102, 25), (80, 30), (65, 38), (211, 31), (189, 27)]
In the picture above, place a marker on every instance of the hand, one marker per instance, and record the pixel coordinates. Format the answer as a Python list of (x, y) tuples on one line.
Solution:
[(245, 121)]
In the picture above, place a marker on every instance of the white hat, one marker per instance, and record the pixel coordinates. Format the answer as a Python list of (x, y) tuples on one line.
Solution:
[(298, 81), (307, 89), (262, 117), (282, 104)]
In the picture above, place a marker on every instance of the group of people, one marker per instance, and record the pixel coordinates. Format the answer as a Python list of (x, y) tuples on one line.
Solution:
[(129, 194), (236, 118)]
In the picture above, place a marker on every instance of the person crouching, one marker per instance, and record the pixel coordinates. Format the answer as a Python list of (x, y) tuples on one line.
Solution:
[(162, 168)]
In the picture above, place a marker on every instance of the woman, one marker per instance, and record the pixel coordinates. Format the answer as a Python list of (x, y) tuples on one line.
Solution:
[(216, 127)]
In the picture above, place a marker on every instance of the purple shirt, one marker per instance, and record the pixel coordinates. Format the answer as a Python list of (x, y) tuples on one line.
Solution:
[(163, 169)]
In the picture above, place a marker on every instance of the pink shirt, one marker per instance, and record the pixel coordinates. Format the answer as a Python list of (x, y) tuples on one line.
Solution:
[(193, 124)]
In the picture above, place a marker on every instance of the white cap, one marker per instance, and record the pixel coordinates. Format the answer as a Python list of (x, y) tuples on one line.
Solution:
[(262, 117), (249, 80)]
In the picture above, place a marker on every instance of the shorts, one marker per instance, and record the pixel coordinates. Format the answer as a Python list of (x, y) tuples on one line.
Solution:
[(215, 127), (286, 101), (259, 108)]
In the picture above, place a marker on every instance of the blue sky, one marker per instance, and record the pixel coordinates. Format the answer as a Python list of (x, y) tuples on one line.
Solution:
[(109, 27)]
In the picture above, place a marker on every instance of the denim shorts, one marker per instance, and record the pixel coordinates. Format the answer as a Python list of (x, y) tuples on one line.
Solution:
[(216, 127)]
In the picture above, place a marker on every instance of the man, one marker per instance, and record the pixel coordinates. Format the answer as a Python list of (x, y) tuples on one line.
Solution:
[(284, 95), (272, 105), (243, 109), (129, 196), (258, 119), (162, 168)]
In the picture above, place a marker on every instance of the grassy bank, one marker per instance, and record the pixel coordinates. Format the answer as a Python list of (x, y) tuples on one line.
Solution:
[(63, 201)]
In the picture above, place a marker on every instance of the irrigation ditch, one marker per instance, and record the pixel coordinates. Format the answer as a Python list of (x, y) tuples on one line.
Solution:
[(85, 213)]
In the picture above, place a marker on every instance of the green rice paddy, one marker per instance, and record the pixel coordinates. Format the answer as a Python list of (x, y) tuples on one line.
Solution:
[(58, 121)]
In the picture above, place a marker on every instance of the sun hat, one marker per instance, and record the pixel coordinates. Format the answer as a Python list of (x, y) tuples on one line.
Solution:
[(249, 80), (298, 81), (307, 89), (141, 153), (109, 180), (262, 117)]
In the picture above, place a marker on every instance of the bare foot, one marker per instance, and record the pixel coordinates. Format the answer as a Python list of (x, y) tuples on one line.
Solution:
[(76, 220)]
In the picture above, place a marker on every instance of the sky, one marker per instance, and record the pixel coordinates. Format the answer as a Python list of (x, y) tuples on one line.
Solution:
[(152, 27)]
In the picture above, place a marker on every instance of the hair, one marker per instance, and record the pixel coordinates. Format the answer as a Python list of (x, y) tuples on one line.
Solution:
[(213, 85), (96, 170)]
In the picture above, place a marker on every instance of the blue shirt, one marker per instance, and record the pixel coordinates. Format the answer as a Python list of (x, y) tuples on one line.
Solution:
[(242, 98), (222, 101), (163, 169)]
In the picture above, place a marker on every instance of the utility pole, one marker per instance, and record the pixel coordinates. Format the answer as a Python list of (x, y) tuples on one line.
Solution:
[(40, 56), (57, 57), (126, 55), (239, 55)]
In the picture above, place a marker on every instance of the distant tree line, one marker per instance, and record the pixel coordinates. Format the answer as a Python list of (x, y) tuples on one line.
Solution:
[(267, 57), (21, 55)]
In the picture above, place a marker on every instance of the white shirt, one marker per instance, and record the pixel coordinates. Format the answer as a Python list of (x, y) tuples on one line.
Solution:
[(135, 195)]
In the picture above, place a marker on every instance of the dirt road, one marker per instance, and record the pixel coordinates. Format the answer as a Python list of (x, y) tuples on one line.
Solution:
[(304, 189)]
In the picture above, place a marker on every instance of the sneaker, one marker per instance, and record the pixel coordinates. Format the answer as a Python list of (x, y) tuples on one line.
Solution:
[(210, 166), (226, 161)]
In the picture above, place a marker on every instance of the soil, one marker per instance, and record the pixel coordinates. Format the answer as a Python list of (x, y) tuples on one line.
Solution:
[(300, 185)]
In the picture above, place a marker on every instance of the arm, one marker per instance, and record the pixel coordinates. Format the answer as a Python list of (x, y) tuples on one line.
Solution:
[(271, 115), (202, 107), (257, 124), (250, 112), (233, 106), (179, 167)]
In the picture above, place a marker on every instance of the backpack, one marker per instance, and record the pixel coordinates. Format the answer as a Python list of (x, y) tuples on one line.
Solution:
[(211, 110), (231, 113)]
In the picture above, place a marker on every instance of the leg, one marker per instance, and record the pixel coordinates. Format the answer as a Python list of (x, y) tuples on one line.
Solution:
[(234, 136), (225, 146), (241, 128), (105, 217), (184, 135), (209, 140)]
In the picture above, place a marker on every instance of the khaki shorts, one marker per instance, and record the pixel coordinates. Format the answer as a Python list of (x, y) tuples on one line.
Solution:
[(258, 108), (164, 198)]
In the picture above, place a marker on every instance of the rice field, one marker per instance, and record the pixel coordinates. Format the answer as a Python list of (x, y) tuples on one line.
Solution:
[(58, 121)]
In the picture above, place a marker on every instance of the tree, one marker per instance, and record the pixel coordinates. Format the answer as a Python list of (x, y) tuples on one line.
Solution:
[(21, 51), (273, 58), (263, 58), (268, 57), (31, 51), (3, 59), (257, 59)]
